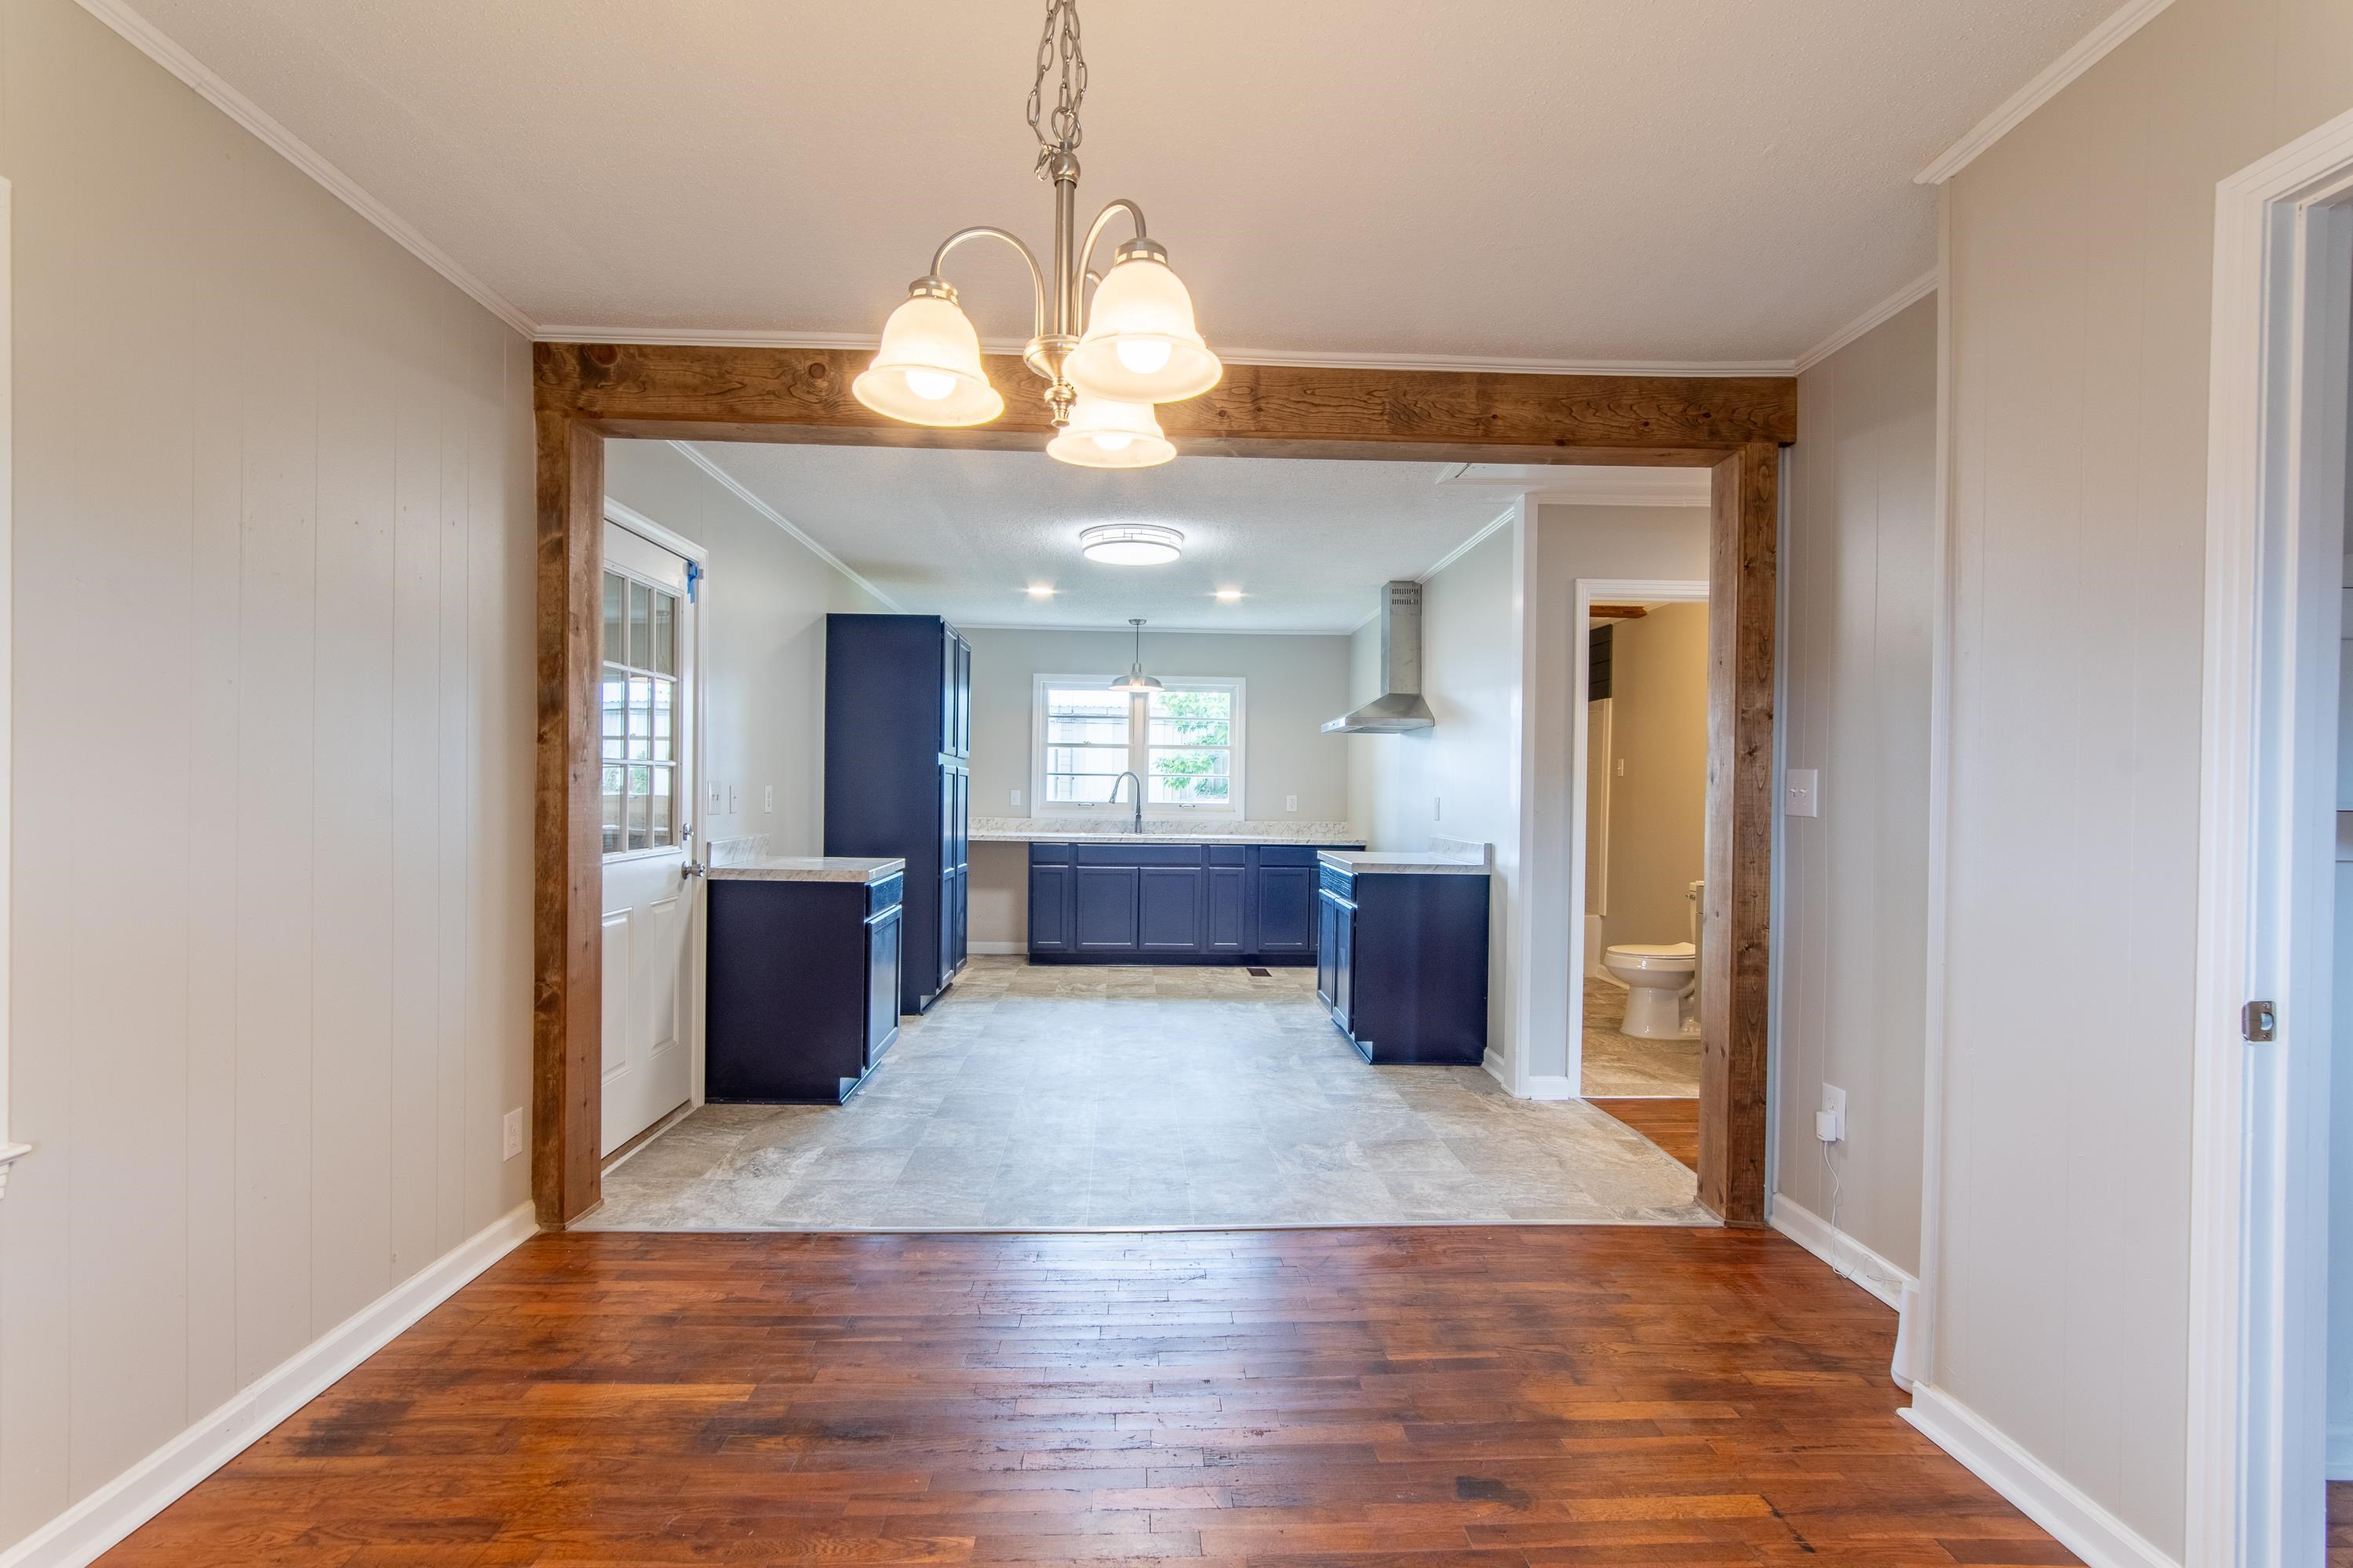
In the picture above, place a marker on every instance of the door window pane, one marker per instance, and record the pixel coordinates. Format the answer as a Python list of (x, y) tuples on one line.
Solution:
[(641, 628), (662, 689), (613, 720), (661, 807), (641, 718), (665, 659), (614, 788), (617, 594)]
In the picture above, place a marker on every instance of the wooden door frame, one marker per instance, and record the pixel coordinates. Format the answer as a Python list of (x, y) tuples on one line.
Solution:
[(586, 393)]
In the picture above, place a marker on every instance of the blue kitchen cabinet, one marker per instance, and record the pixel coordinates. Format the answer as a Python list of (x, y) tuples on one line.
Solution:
[(1402, 963), (1173, 903)]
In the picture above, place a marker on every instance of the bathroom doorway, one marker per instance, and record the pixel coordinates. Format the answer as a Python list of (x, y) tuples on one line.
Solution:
[(1641, 835)]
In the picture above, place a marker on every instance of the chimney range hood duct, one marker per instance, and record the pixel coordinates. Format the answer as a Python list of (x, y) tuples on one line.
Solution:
[(1399, 706)]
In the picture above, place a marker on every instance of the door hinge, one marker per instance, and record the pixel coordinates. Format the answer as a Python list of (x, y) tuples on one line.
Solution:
[(2259, 1021)]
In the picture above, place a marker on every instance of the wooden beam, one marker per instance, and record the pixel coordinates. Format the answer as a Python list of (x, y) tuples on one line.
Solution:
[(1737, 936), (683, 391), (1616, 612), (567, 1001)]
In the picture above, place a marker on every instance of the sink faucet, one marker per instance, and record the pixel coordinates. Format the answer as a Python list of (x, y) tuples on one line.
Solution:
[(1137, 826)]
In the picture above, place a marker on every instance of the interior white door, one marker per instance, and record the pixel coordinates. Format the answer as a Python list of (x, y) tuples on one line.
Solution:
[(647, 747)]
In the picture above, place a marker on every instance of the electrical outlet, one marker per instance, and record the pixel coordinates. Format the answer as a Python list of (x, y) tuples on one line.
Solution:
[(511, 1134), (1016, 797), (1830, 1121), (718, 801), (1801, 793), (767, 797), (1291, 803)]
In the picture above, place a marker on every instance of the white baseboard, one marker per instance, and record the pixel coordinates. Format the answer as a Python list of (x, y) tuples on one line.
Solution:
[(996, 949), (1550, 1085), (98, 1522), (2338, 1458), (2036, 1490), (1839, 1250)]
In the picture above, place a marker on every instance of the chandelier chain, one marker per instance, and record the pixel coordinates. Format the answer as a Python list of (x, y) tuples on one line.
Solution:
[(1059, 132)]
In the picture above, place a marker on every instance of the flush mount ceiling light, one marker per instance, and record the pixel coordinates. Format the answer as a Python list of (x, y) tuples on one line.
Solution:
[(1130, 543), (1136, 679), (1134, 346)]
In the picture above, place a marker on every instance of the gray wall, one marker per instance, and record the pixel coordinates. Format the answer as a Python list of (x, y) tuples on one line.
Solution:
[(2080, 276), (273, 715), (1296, 683), (763, 609), (1460, 779), (1857, 571)]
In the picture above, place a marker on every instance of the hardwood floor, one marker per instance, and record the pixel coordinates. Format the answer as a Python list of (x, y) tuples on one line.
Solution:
[(1673, 1124), (2340, 1524), (1506, 1396)]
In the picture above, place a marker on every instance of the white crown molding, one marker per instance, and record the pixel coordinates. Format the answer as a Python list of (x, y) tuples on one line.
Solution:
[(1349, 359), (2089, 50), (652, 532), (2033, 1488), (1911, 293), (1460, 551), (1124, 629), (695, 456), (144, 37), (84, 1531)]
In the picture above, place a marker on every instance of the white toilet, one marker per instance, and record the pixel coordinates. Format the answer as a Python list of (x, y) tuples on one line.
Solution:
[(1661, 980)]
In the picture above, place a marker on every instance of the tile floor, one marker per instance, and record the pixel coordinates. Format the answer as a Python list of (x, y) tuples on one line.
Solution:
[(1064, 1097), (1617, 1064)]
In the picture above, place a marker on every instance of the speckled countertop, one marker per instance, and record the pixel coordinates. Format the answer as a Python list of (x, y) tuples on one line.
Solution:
[(1096, 829), (1441, 859), (808, 868)]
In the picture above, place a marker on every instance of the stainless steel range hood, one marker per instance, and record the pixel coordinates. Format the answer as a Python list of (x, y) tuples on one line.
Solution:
[(1399, 706)]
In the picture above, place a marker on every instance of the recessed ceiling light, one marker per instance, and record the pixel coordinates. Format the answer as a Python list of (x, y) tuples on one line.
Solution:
[(1230, 595), (1041, 590), (1131, 543)]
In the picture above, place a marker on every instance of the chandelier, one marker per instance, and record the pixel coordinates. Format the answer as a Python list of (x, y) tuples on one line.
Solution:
[(1105, 359)]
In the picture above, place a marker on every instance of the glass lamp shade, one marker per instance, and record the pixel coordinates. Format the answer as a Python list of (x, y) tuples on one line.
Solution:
[(928, 369), (1136, 680), (1129, 545), (1104, 432), (1141, 345)]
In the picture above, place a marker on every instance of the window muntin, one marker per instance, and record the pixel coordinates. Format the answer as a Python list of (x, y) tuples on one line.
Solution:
[(1184, 742), (637, 731)]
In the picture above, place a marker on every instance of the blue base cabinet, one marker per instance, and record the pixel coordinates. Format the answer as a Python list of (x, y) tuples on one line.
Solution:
[(802, 989), (1173, 903), (1401, 965)]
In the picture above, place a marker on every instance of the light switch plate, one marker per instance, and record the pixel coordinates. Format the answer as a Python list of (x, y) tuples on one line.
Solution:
[(767, 797), (718, 802), (734, 798), (1436, 802), (1291, 803), (511, 1134), (1801, 793), (1016, 797)]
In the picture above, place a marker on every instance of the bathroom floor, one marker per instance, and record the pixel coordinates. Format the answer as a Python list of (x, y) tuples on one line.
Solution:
[(1619, 1065), (1082, 1097)]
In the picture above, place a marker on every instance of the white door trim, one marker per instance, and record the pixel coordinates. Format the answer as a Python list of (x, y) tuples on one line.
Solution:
[(2274, 555), (10, 1151), (1586, 592)]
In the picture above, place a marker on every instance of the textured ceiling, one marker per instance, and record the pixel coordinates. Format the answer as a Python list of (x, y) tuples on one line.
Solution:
[(1588, 180), (966, 534)]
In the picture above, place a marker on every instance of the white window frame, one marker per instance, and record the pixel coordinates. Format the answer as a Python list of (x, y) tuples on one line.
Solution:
[(1138, 746)]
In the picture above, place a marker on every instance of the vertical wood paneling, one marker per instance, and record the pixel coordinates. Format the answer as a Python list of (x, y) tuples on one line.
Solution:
[(1854, 880), (272, 722)]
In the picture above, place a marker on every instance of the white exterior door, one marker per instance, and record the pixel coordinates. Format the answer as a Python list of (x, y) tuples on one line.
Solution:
[(647, 746)]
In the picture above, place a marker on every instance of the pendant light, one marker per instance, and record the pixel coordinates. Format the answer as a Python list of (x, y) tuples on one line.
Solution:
[(1136, 343), (1136, 679), (1104, 432)]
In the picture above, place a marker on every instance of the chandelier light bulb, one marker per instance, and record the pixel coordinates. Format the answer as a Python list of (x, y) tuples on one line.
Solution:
[(1142, 356), (1104, 432), (931, 385)]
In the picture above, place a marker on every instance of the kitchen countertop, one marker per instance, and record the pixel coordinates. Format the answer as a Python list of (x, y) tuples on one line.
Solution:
[(1096, 830), (1473, 862), (808, 868)]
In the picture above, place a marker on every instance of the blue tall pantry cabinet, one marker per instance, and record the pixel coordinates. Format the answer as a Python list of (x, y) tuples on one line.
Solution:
[(897, 776)]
